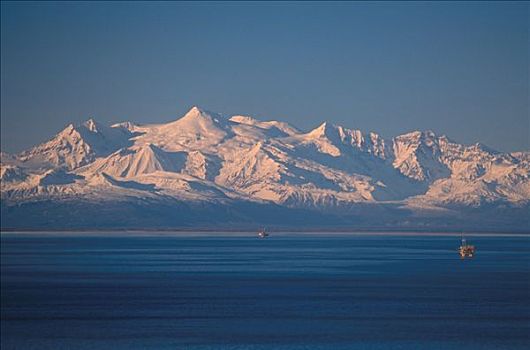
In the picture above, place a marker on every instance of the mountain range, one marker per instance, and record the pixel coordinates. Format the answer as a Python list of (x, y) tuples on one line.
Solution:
[(205, 170)]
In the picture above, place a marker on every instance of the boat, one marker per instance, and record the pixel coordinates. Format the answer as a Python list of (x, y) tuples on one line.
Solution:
[(466, 250), (262, 233)]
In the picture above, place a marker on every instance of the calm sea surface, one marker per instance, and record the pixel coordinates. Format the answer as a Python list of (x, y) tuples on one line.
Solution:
[(290, 291)]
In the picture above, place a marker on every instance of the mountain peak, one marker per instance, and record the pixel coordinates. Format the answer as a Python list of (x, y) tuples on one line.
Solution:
[(198, 112), (322, 127), (195, 109), (429, 135), (197, 115), (410, 134), (418, 135), (482, 147), (197, 129), (326, 130), (91, 125)]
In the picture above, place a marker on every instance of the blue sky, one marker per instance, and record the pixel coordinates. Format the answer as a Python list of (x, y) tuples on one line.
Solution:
[(459, 69)]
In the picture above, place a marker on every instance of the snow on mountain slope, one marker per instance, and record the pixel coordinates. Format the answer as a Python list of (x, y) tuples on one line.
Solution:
[(336, 140), (269, 128), (76, 145), (155, 187), (282, 173), (188, 188), (204, 157), (137, 160), (6, 158), (202, 166), (197, 130), (131, 127), (12, 173), (418, 155), (521, 156), (480, 175), (243, 170), (52, 183), (355, 161)]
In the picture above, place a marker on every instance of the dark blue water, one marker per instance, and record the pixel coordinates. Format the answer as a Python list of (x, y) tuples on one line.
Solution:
[(285, 292)]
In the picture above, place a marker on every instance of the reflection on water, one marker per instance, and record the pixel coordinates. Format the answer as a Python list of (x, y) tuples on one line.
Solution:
[(285, 292)]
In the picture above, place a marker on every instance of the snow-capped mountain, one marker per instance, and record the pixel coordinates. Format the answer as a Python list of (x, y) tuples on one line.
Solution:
[(205, 169), (76, 145)]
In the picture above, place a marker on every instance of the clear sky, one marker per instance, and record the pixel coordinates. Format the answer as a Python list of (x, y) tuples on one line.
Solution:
[(460, 69)]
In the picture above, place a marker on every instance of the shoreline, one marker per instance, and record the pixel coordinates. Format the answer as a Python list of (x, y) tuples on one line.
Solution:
[(249, 233)]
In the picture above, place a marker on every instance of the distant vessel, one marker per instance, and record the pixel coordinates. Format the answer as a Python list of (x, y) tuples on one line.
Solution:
[(262, 233), (466, 250)]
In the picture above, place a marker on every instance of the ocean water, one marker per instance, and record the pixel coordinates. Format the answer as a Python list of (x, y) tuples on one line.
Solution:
[(290, 291)]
